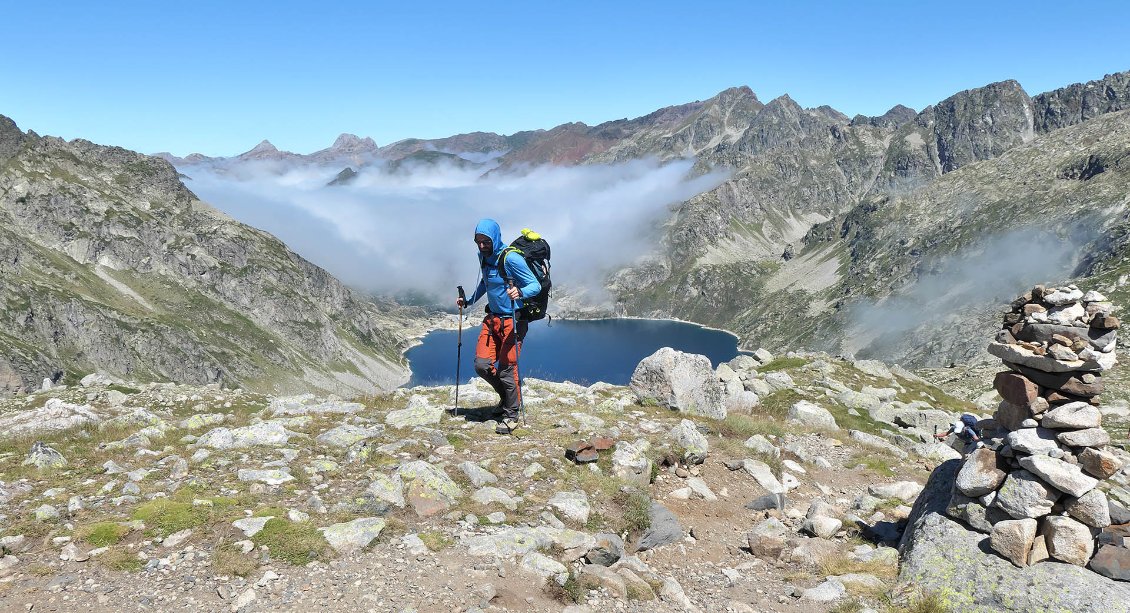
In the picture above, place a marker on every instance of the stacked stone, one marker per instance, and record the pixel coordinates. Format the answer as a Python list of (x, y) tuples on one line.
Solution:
[(1034, 488)]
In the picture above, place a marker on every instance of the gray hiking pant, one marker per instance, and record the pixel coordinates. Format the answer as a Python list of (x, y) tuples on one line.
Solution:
[(496, 360)]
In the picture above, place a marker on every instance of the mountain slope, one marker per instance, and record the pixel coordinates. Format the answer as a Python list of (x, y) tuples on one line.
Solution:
[(111, 264)]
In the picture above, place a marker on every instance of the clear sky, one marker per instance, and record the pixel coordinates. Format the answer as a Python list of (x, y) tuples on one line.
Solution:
[(217, 77)]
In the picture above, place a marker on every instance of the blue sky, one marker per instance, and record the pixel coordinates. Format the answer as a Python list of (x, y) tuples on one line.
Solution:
[(217, 77)]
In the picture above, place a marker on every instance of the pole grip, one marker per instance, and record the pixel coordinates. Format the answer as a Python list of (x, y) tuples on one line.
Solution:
[(462, 296)]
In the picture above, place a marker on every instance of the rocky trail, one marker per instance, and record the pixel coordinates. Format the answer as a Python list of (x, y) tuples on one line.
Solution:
[(767, 484)]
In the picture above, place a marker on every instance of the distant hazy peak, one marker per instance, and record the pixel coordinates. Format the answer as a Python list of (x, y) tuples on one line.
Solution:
[(352, 142), (264, 146)]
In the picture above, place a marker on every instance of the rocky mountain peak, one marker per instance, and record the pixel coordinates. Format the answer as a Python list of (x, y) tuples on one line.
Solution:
[(1079, 102), (264, 146), (10, 138), (351, 143)]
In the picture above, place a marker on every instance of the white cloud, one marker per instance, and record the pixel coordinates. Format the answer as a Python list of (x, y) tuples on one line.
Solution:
[(410, 231)]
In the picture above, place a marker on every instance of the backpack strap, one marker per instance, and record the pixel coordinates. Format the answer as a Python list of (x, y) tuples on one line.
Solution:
[(502, 261)]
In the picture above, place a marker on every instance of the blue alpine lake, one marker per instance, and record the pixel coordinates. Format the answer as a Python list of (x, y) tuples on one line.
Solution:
[(581, 351)]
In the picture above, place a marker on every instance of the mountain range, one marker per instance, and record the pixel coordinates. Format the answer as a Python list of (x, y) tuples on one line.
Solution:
[(827, 218), (829, 231)]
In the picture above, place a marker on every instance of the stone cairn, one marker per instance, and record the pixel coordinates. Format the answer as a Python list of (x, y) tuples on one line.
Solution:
[(1035, 487)]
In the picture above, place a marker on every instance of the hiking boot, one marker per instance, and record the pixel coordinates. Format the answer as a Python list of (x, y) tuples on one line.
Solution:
[(506, 426)]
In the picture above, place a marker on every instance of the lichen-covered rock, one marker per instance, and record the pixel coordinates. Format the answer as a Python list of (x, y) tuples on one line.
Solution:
[(388, 489), (273, 476), (544, 567), (681, 382), (478, 475), (573, 505), (347, 435), (353, 535), (492, 495), (760, 444), (942, 557), (509, 542), (53, 416), (419, 412), (202, 420), (43, 457), (308, 404), (1025, 495), (428, 488), (692, 445), (264, 433)]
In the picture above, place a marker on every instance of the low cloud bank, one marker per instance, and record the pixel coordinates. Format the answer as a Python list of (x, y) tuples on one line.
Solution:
[(408, 233), (992, 271)]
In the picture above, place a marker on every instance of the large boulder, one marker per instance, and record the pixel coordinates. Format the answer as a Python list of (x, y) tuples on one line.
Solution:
[(814, 415), (681, 382), (53, 416), (942, 557)]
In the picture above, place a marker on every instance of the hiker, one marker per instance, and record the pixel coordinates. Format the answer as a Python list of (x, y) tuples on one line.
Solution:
[(966, 429), (500, 340)]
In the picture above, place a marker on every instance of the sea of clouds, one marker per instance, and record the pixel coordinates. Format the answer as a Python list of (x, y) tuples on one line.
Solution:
[(408, 233)]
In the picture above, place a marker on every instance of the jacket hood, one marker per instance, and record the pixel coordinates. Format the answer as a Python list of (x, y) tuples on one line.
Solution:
[(489, 227)]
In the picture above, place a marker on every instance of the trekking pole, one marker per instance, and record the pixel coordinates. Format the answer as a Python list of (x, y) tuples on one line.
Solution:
[(517, 368), (459, 348)]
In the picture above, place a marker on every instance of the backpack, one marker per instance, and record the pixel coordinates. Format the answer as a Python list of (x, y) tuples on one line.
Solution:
[(970, 423), (531, 246)]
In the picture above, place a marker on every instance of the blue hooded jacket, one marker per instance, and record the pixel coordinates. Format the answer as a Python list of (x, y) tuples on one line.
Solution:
[(492, 284)]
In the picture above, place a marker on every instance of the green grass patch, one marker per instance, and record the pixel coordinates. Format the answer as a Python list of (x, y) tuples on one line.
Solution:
[(917, 390), (777, 404), (168, 516), (875, 462), (842, 565), (120, 559), (458, 441), (744, 426), (230, 561), (101, 534), (783, 364), (848, 606), (295, 542), (270, 512), (635, 517), (125, 389), (570, 593), (921, 603), (436, 540)]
